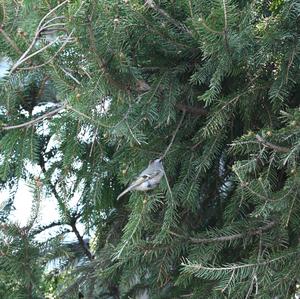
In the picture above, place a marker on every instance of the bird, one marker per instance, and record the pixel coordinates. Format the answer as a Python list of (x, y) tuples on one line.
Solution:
[(148, 179)]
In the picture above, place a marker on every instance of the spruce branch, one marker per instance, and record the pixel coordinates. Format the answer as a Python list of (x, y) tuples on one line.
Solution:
[(35, 121), (233, 267), (40, 229), (71, 108), (276, 148), (102, 64), (174, 135), (225, 25), (249, 233), (40, 28), (202, 21), (66, 40), (42, 86), (163, 13), (196, 110), (20, 61), (71, 219), (291, 59), (225, 16), (83, 245), (9, 40), (70, 75)]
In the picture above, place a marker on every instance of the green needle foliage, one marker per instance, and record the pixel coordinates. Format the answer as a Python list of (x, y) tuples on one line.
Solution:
[(97, 89)]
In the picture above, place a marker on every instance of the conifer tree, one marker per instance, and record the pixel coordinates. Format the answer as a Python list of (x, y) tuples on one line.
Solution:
[(97, 89)]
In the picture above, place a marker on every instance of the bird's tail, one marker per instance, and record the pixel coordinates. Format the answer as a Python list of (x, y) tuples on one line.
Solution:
[(124, 192)]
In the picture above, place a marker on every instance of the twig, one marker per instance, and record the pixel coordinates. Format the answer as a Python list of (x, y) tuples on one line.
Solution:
[(93, 143), (225, 16), (191, 109), (31, 55), (50, 59), (132, 134), (40, 229), (10, 41), (34, 121), (254, 232), (208, 28), (80, 239), (225, 26), (289, 65), (39, 29), (233, 267), (71, 218), (178, 25), (168, 186), (70, 75), (101, 63), (229, 281), (86, 116), (43, 85), (174, 135), (276, 148)]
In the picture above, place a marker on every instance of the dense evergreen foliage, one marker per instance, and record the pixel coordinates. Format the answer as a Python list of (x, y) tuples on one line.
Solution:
[(97, 89)]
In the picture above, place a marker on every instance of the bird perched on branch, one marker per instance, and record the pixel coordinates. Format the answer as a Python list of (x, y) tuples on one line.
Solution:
[(148, 179)]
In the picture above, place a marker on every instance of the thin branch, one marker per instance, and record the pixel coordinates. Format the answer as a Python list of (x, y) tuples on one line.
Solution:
[(10, 41), (248, 233), (178, 25), (39, 29), (43, 85), (191, 109), (229, 281), (174, 135), (33, 54), (225, 31), (101, 63), (276, 148), (71, 218), (289, 65), (54, 55), (70, 75), (202, 21), (34, 121), (168, 185), (80, 239), (132, 134), (86, 116), (225, 16), (239, 266), (40, 229)]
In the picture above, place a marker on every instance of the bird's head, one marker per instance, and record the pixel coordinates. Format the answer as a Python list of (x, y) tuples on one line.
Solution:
[(157, 162)]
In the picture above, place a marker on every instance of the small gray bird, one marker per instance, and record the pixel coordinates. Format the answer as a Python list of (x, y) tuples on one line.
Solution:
[(148, 179)]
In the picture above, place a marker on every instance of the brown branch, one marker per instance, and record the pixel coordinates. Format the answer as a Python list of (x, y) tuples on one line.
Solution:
[(34, 121), (40, 229), (252, 232), (80, 239), (276, 148), (191, 109), (72, 219)]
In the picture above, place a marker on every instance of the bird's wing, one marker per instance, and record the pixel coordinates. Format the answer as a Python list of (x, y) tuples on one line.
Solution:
[(140, 180)]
